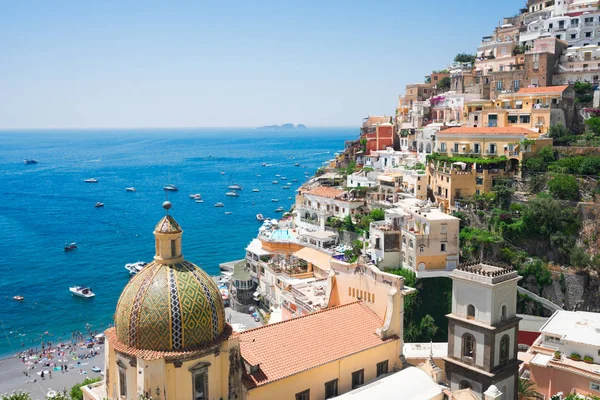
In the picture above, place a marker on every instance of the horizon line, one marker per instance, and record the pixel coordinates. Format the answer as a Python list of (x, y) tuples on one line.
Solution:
[(163, 127)]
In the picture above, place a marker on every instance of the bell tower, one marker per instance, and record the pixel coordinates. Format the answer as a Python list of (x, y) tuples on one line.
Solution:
[(483, 328), (167, 234)]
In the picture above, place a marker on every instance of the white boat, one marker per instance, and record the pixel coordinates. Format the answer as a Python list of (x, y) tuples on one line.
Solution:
[(283, 178), (130, 189), (263, 164), (228, 213), (91, 180), (274, 200), (196, 196), (294, 180), (280, 209), (287, 187), (277, 175), (219, 204), (98, 204), (235, 186), (260, 217), (232, 194), (171, 188), (275, 182), (70, 246), (18, 298), (135, 267), (255, 190), (81, 291), (297, 165), (222, 172)]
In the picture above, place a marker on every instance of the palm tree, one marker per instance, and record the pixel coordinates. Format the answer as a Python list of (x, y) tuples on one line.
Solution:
[(526, 390)]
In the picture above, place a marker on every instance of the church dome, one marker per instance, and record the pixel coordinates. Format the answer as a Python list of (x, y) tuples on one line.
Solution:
[(171, 304)]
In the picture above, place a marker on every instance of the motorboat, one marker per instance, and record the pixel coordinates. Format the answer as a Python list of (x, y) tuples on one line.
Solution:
[(98, 204), (294, 180), (263, 164), (232, 194), (274, 200), (222, 172), (235, 186), (255, 190), (277, 175), (28, 162), (260, 217), (228, 213), (70, 246), (287, 187), (297, 165), (196, 196), (275, 182), (18, 298), (135, 267), (283, 178), (81, 291), (91, 180), (171, 188), (219, 204), (131, 189), (280, 209)]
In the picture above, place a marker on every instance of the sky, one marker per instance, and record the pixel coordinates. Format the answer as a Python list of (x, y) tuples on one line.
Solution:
[(126, 64)]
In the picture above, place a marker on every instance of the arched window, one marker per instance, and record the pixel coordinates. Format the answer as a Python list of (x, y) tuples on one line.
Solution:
[(422, 248), (470, 311), (468, 345), (504, 349), (503, 313), (464, 385)]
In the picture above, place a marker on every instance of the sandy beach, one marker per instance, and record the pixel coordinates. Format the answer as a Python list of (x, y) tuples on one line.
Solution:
[(78, 360)]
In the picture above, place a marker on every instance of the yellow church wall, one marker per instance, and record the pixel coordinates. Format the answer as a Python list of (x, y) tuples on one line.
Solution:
[(432, 262), (315, 378), (179, 381)]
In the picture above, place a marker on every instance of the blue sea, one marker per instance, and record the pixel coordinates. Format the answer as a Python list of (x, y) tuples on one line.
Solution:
[(46, 205)]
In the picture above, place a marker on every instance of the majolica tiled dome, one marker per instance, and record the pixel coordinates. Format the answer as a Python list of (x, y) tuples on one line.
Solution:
[(170, 308), (171, 305)]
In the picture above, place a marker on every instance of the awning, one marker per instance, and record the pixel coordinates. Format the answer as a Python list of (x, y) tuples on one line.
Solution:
[(315, 257), (519, 102), (386, 178)]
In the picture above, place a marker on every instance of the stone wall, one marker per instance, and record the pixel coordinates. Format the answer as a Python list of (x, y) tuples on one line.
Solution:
[(578, 292)]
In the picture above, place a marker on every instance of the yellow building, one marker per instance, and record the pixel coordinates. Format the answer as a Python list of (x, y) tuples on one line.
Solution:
[(535, 108), (469, 160), (171, 339)]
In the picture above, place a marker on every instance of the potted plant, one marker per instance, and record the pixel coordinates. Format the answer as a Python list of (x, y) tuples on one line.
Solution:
[(557, 355), (575, 357), (588, 360)]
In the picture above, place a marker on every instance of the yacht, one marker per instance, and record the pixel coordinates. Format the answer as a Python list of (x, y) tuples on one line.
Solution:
[(98, 204), (274, 200), (196, 196), (81, 291), (130, 189), (18, 298), (29, 162), (275, 182), (228, 213), (255, 190), (283, 178), (219, 204), (263, 164), (260, 217), (297, 165), (70, 246), (171, 188), (91, 180), (280, 209), (135, 267), (232, 194), (277, 175), (235, 186)]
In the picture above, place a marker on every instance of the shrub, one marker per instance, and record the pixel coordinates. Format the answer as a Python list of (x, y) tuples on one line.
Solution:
[(558, 130), (564, 187), (76, 393), (444, 83), (588, 359), (377, 214), (582, 87), (20, 395), (593, 124), (590, 166), (579, 258), (557, 354), (575, 356), (464, 57)]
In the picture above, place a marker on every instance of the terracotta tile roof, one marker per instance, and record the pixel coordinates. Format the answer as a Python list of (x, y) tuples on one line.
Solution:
[(323, 191), (111, 336), (510, 130), (545, 89), (282, 349)]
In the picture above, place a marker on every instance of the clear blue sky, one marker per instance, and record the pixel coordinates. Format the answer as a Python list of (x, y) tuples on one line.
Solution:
[(94, 64)]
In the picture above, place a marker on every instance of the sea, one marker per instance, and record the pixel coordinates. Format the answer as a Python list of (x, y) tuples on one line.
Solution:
[(46, 205)]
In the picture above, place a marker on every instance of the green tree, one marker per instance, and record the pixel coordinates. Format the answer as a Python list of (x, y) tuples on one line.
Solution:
[(557, 131), (590, 166), (582, 87), (536, 183), (541, 161), (564, 187), (579, 258), (20, 395), (348, 224), (76, 393), (428, 328), (351, 168), (363, 145), (377, 214), (593, 124), (444, 83), (526, 390), (464, 58)]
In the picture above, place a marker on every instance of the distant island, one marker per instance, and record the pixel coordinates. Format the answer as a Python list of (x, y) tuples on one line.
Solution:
[(284, 126)]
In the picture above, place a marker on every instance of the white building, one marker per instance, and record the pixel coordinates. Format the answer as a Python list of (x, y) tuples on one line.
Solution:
[(362, 179), (313, 207), (573, 332), (381, 160), (578, 64)]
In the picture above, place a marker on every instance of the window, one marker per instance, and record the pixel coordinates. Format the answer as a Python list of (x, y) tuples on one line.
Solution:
[(173, 248), (464, 385), (444, 228), (516, 85), (477, 191), (575, 22), (499, 85), (470, 311), (382, 368), (468, 346), (503, 313), (358, 378), (455, 148), (476, 148), (305, 395), (422, 248), (331, 389), (443, 247), (513, 119), (573, 36), (504, 347), (588, 34), (122, 383), (492, 149), (200, 380), (524, 119), (443, 147), (410, 243), (479, 180)]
